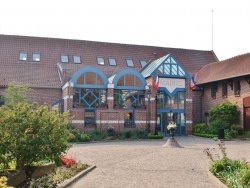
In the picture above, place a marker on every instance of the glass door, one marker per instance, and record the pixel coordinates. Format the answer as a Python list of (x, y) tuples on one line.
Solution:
[(164, 118)]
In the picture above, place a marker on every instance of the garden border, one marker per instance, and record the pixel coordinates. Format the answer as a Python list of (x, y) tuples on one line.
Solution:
[(72, 180), (215, 180)]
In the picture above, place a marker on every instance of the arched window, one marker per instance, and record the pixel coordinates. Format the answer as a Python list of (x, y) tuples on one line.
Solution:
[(129, 91), (89, 88)]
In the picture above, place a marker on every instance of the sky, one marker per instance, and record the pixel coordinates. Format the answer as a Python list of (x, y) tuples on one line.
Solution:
[(219, 25)]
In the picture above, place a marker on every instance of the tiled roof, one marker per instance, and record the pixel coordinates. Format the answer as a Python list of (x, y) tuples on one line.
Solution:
[(44, 73), (32, 75), (230, 68)]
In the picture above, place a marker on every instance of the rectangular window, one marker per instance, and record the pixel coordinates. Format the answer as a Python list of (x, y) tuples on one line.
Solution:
[(213, 90), (143, 63), (64, 59), (77, 59), (237, 88), (36, 57), (100, 61), (89, 117), (23, 56), (130, 63), (112, 62), (129, 120), (224, 90)]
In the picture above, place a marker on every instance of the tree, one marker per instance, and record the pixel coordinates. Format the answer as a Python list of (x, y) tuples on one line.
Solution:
[(31, 132), (16, 93)]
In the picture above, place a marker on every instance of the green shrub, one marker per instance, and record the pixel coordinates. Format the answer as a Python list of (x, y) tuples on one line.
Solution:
[(155, 136), (205, 135), (245, 177), (218, 124), (226, 112), (233, 173), (32, 133), (238, 129), (78, 135), (247, 134), (233, 133), (98, 134), (200, 128), (111, 131), (139, 134), (125, 134), (58, 176), (224, 165), (227, 134)]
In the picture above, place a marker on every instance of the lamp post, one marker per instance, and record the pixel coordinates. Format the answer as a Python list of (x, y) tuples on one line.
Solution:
[(148, 116), (156, 99), (159, 95)]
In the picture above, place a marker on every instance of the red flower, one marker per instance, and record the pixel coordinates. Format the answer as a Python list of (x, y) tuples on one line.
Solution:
[(68, 161)]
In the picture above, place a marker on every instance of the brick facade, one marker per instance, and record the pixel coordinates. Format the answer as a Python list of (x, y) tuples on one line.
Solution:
[(49, 77), (206, 102)]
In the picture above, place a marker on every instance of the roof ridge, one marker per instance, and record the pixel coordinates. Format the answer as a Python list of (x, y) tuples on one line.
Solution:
[(236, 56), (103, 42)]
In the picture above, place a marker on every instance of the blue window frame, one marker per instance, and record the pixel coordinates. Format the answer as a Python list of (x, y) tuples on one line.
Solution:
[(129, 98), (177, 101), (89, 98)]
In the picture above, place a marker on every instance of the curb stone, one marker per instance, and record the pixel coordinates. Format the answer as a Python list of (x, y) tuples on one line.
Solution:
[(215, 180), (72, 180)]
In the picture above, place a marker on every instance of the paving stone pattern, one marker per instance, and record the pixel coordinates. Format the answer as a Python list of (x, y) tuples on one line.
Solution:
[(147, 164)]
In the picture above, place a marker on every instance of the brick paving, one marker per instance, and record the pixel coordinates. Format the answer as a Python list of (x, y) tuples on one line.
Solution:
[(146, 164)]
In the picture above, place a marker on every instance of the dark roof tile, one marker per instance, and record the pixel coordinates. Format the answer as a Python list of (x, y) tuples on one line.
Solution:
[(229, 68), (38, 74)]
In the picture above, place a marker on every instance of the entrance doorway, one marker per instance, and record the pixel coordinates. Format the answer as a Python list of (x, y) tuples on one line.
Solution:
[(165, 117), (171, 108)]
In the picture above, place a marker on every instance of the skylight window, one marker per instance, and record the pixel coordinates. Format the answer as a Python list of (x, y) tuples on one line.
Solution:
[(23, 56), (77, 59), (112, 62), (143, 63), (100, 61), (36, 57), (130, 63), (64, 59)]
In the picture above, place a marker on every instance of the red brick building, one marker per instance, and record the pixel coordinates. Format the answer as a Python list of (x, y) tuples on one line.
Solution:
[(106, 84), (227, 80)]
